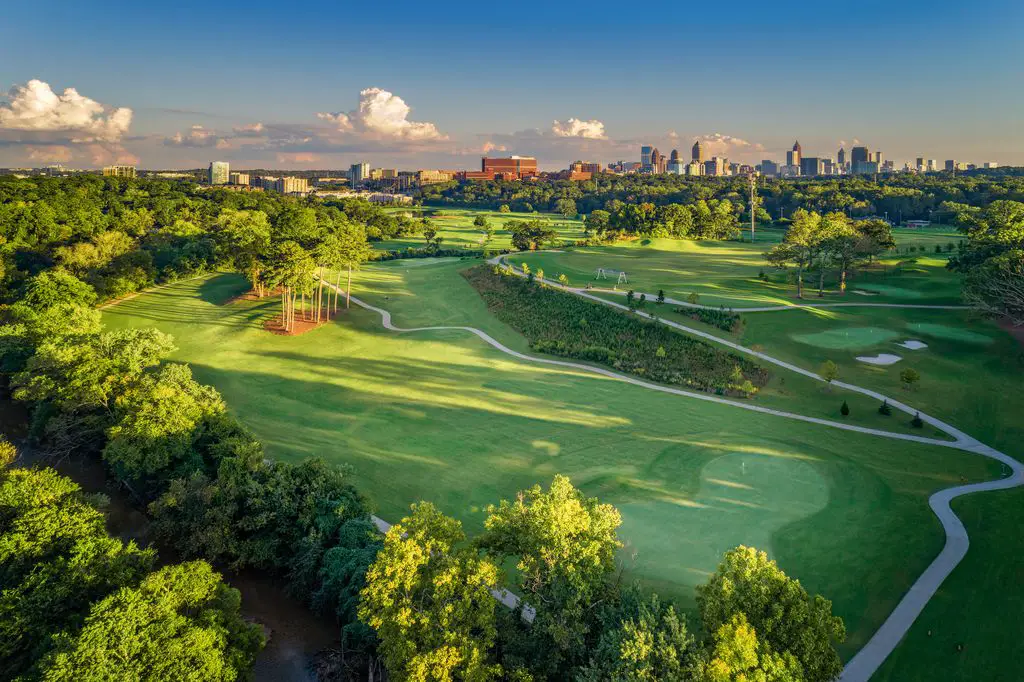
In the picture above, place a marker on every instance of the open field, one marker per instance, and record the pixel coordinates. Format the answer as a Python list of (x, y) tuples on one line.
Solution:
[(456, 226), (441, 416)]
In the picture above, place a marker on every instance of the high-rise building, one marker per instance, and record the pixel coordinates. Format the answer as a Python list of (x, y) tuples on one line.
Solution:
[(794, 155), (119, 171), (716, 166), (645, 157), (359, 173), (658, 162), (932, 165), (769, 168), (811, 166), (675, 165), (219, 173), (697, 153), (990, 164), (950, 164), (860, 160), (238, 178), (877, 158), (841, 157), (919, 164)]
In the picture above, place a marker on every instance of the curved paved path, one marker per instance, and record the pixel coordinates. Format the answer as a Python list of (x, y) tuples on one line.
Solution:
[(864, 664)]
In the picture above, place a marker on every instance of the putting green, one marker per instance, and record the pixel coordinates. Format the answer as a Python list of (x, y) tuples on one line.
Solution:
[(744, 498), (847, 338), (942, 331)]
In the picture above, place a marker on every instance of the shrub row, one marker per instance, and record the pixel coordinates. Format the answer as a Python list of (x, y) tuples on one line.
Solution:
[(722, 318), (564, 324)]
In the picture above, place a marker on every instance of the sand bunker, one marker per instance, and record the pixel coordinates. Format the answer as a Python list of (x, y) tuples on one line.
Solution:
[(913, 344), (880, 359)]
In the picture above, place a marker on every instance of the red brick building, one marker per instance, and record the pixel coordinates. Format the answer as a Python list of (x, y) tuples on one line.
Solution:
[(519, 166)]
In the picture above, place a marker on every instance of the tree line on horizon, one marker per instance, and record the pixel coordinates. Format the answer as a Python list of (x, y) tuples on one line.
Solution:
[(903, 196)]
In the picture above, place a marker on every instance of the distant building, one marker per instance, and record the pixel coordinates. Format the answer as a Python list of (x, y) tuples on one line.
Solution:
[(861, 161), (932, 165), (841, 158), (646, 152), (219, 173), (697, 153), (990, 164), (919, 164), (238, 178), (793, 156), (877, 158), (119, 171), (716, 166), (769, 168), (292, 185), (675, 165), (511, 167), (359, 173), (951, 164), (340, 179), (433, 177), (811, 166)]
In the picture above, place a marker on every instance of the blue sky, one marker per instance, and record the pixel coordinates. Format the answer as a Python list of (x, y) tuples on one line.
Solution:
[(933, 79)]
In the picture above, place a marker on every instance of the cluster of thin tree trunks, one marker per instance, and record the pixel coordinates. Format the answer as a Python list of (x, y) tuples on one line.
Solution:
[(292, 301)]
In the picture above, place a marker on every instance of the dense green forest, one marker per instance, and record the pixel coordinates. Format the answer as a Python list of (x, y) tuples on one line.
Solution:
[(903, 196)]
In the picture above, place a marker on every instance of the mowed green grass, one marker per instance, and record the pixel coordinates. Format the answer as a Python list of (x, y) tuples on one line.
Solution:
[(441, 416), (730, 273), (970, 630), (455, 226)]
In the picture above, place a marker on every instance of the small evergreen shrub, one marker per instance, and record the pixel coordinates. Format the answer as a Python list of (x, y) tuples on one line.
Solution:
[(884, 409), (916, 422), (845, 409)]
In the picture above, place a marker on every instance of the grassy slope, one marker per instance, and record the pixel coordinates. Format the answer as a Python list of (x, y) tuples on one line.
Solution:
[(727, 273), (455, 225), (440, 416)]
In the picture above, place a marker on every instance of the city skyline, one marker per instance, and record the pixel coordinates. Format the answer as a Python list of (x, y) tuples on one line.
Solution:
[(295, 95)]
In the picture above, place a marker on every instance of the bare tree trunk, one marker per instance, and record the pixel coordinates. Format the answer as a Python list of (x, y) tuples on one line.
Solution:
[(320, 295), (842, 281), (284, 309), (337, 291), (800, 283), (348, 289), (821, 282)]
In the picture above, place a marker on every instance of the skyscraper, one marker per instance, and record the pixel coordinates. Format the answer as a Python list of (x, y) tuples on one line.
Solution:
[(860, 159), (675, 165), (841, 157), (219, 173), (645, 157), (698, 152), (793, 156)]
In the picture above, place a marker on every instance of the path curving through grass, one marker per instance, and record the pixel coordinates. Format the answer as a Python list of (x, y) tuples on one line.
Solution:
[(863, 665)]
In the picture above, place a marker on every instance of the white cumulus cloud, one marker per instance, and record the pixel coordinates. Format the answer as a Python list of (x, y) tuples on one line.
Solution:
[(384, 115), (718, 144), (574, 127), (36, 107), (198, 136), (249, 130)]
